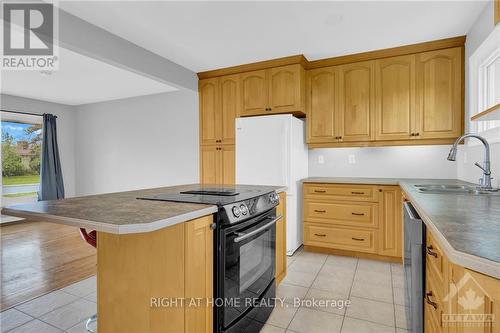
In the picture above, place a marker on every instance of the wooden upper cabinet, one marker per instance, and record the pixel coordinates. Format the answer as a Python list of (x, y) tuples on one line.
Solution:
[(395, 98), (356, 101), (439, 91), (229, 106), (286, 89), (273, 91), (219, 100), (322, 104), (254, 93), (209, 111)]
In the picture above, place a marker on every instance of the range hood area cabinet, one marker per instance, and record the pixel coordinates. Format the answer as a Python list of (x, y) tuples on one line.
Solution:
[(403, 100), (273, 91)]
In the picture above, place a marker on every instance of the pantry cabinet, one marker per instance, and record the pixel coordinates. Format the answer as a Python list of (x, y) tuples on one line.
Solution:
[(273, 91), (217, 164)]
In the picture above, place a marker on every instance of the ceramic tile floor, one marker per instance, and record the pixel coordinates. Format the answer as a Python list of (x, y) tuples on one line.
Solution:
[(374, 288)]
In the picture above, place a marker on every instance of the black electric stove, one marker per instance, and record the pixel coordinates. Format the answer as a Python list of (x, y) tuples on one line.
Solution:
[(244, 252)]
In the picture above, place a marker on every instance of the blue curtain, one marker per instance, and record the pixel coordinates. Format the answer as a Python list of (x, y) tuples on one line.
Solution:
[(51, 178)]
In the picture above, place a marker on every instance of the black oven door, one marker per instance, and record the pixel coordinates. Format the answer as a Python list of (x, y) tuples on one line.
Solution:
[(248, 263)]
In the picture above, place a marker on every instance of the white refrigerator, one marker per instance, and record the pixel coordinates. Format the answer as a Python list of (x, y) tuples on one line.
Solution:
[(271, 150)]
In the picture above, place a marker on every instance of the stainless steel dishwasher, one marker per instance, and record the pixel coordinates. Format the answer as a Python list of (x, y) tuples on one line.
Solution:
[(414, 266)]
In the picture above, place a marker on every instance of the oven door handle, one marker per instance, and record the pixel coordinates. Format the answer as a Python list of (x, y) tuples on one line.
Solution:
[(243, 236)]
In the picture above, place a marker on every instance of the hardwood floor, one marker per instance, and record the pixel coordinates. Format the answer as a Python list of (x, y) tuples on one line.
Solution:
[(39, 257)]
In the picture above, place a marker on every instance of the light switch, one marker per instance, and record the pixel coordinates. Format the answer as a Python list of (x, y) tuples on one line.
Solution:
[(321, 159), (352, 159)]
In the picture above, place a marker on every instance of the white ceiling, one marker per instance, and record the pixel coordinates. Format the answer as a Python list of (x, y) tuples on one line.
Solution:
[(79, 80), (208, 35)]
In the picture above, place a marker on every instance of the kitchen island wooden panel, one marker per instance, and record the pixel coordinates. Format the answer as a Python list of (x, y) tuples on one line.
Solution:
[(140, 274)]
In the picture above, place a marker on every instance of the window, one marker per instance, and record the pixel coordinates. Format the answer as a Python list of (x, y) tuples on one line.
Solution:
[(484, 87), (21, 153)]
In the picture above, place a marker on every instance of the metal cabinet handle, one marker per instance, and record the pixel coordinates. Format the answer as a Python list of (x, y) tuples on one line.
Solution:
[(358, 239), (320, 211), (357, 192), (243, 236), (320, 235), (428, 300), (358, 214), (430, 252), (319, 191)]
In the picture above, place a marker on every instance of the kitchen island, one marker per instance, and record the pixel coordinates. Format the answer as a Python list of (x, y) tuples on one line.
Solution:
[(153, 257)]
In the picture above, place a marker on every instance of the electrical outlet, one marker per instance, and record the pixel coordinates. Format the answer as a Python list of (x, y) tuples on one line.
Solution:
[(321, 159), (352, 159)]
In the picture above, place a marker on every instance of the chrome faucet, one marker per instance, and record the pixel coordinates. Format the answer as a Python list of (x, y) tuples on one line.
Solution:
[(485, 181)]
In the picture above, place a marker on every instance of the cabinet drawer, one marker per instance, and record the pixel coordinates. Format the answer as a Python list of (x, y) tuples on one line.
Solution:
[(435, 260), (433, 305), (341, 192), (340, 238), (342, 213)]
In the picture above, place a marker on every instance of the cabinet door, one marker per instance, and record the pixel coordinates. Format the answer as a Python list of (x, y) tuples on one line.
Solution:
[(198, 247), (390, 227), (281, 239), (322, 103), (227, 166), (229, 105), (395, 98), (286, 87), (254, 93), (209, 164), (356, 101), (209, 111), (439, 91)]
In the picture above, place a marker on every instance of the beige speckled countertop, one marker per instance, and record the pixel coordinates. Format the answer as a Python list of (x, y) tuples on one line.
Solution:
[(466, 226), (121, 212)]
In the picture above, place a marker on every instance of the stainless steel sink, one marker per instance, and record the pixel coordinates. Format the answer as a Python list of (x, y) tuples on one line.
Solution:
[(453, 189)]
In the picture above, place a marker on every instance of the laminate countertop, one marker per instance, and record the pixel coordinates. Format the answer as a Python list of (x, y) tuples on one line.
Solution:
[(120, 212), (466, 226)]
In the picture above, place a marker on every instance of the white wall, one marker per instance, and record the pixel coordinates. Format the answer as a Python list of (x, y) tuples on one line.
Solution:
[(65, 131), (467, 155), (139, 142), (385, 162)]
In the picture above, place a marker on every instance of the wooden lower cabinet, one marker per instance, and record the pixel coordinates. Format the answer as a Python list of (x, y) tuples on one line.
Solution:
[(458, 300), (281, 239), (136, 273), (217, 164), (355, 219)]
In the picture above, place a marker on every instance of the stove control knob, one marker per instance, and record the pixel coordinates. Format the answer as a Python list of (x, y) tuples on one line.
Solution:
[(244, 209), (274, 198), (236, 211)]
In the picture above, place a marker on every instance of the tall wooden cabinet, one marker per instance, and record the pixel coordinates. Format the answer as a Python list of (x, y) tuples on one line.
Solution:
[(273, 91), (219, 102)]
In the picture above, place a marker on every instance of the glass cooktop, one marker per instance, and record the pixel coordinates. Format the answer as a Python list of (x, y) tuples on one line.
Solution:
[(213, 195)]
